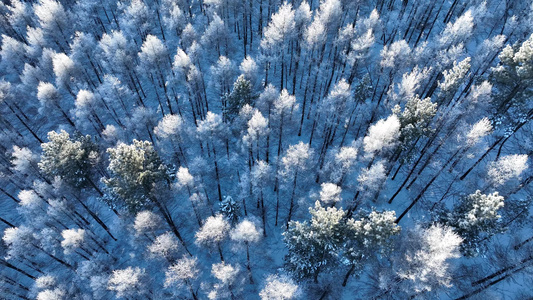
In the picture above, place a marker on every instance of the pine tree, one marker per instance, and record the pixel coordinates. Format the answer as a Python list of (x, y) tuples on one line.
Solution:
[(314, 246), (136, 170), (367, 237), (230, 209), (415, 119), (240, 95), (513, 76), (72, 159), (475, 218)]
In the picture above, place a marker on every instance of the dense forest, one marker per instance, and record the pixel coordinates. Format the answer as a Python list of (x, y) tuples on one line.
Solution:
[(260, 149)]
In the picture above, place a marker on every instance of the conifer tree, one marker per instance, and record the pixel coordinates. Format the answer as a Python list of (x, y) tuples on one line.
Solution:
[(240, 95), (314, 246), (72, 159), (475, 218), (136, 171), (367, 237)]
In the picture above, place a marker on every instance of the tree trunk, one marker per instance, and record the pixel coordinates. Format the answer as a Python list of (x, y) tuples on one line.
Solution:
[(220, 252), (248, 266), (347, 276), (217, 175), (292, 199)]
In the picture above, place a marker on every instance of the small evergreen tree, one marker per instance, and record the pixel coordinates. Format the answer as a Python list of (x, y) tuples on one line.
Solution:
[(230, 209), (240, 95)]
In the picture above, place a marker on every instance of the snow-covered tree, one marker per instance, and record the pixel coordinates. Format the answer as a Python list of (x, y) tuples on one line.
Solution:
[(267, 98), (246, 232), (170, 126), (184, 178), (154, 54), (294, 163), (136, 170), (52, 294), (173, 17), (183, 271), (279, 287), (314, 246), (117, 55), (24, 160), (280, 29), (146, 222), (72, 239), (396, 55), (257, 129), (212, 130), (128, 282), (172, 129), (382, 136), (278, 34), (423, 265), (344, 161), (284, 106), (86, 111), (65, 70), (19, 241), (330, 193), (50, 98), (475, 218), (213, 232), (227, 276), (216, 35), (367, 237), (164, 246), (222, 74), (479, 130), (249, 70), (458, 31), (136, 19), (154, 58), (12, 53), (72, 159), (54, 20), (507, 168), (371, 179)]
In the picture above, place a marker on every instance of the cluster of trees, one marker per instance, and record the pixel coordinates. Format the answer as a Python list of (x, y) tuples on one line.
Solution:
[(265, 149)]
